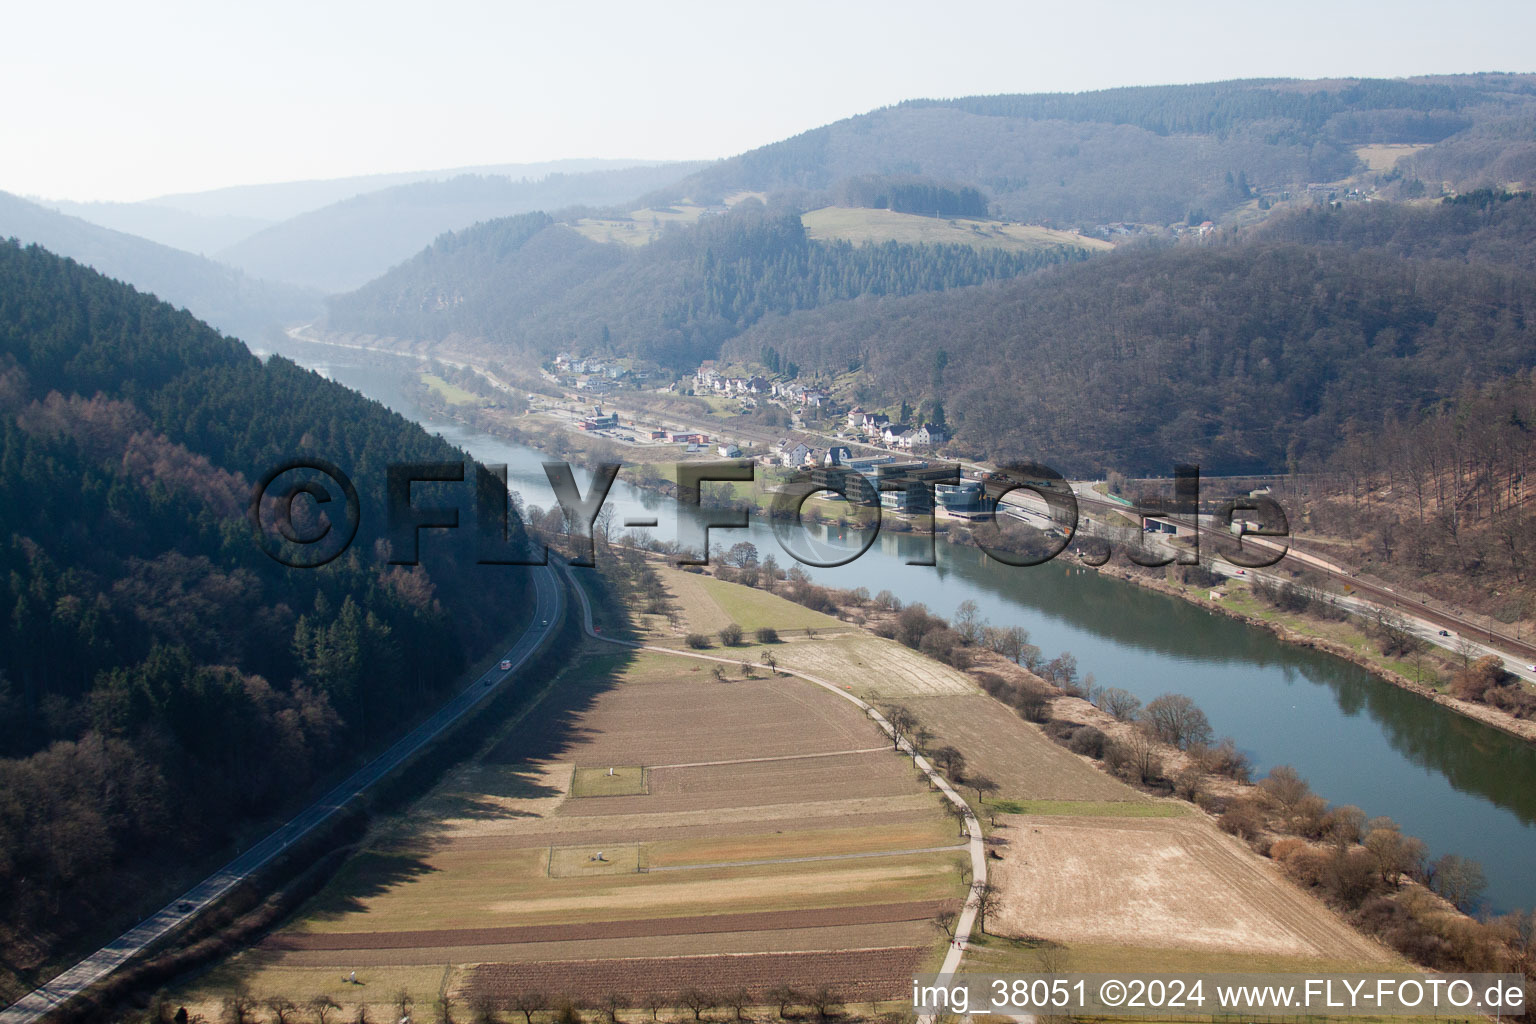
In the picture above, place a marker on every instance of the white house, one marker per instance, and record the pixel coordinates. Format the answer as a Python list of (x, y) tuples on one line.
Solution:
[(795, 454), (874, 422), (929, 435)]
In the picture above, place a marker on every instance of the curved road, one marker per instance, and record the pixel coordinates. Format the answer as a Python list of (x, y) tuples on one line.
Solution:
[(967, 918), (549, 603)]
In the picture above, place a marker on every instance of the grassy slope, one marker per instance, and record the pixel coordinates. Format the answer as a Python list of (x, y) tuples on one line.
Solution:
[(859, 225)]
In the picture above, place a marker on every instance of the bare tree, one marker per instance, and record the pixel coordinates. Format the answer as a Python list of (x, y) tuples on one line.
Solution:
[(1395, 853), (1459, 879), (987, 897), (981, 784), (240, 1007), (783, 996), (322, 1007), (281, 1009), (945, 920), (738, 999), (967, 622), (443, 1008), (527, 1002), (1123, 704), (697, 1000), (902, 721), (825, 1001), (603, 526), (1175, 719), (1141, 757), (950, 760), (403, 1003), (653, 1002), (957, 812)]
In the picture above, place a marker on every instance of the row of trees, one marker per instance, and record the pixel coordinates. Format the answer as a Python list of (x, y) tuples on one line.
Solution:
[(819, 1002)]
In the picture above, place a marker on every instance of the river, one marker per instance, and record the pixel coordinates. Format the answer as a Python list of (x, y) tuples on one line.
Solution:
[(1460, 786)]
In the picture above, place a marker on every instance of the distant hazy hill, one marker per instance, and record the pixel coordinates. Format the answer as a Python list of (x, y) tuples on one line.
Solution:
[(341, 246), (1239, 357), (180, 229), (220, 295), (278, 201), (537, 285), (1156, 154)]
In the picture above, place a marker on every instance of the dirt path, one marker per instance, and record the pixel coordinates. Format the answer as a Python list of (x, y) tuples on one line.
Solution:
[(967, 920)]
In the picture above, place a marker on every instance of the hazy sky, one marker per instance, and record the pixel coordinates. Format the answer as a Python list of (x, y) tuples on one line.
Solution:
[(125, 101)]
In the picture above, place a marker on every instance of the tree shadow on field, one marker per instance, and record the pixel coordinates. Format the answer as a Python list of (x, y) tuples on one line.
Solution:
[(550, 731), (365, 875), (481, 790)]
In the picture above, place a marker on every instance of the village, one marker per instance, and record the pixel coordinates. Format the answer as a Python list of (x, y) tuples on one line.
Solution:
[(857, 443)]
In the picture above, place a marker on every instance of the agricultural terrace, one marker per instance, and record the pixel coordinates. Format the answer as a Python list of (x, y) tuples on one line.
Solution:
[(1091, 872), (647, 828)]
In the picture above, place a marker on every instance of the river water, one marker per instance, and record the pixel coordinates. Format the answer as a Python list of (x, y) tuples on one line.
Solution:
[(1460, 786)]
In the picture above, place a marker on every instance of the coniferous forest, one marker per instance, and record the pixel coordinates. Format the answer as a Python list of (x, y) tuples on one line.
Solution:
[(162, 681)]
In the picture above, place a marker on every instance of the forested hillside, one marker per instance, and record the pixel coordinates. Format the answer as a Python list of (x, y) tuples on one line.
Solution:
[(220, 295), (343, 245), (534, 285), (1156, 154), (162, 681), (1250, 356)]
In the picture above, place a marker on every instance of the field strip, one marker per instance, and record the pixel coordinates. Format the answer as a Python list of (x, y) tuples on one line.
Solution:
[(857, 974), (788, 940), (763, 920), (781, 757), (806, 860), (969, 910), (681, 830)]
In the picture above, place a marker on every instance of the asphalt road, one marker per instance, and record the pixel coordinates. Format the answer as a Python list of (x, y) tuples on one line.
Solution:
[(549, 601)]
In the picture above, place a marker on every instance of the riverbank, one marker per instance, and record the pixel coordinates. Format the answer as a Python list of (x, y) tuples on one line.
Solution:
[(1523, 729), (1050, 824), (558, 437), (588, 451)]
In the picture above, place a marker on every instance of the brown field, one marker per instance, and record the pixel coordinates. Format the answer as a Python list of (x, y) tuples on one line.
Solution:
[(872, 667), (761, 831), (672, 711), (765, 819), (1024, 762), (857, 974), (772, 920), (1158, 882)]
